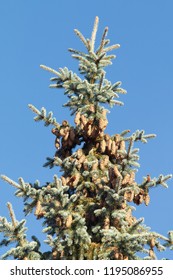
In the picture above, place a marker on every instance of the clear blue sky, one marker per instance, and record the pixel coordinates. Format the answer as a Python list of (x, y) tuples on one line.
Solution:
[(40, 32)]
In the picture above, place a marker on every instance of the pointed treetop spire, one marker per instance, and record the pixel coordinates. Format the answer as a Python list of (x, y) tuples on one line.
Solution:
[(94, 32)]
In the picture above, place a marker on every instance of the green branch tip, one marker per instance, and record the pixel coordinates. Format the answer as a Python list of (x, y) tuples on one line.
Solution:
[(49, 69), (11, 182), (93, 36), (34, 109), (113, 47), (12, 215), (81, 37)]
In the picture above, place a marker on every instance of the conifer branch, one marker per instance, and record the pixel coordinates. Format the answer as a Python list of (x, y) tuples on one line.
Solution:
[(77, 52), (140, 136), (93, 36), (82, 38), (11, 182), (113, 47), (49, 69), (100, 49), (41, 115), (12, 215), (161, 180), (24, 190)]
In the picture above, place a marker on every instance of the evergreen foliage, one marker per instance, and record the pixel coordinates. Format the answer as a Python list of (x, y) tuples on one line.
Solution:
[(87, 213)]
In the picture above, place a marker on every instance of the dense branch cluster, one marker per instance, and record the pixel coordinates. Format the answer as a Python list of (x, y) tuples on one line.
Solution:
[(87, 213)]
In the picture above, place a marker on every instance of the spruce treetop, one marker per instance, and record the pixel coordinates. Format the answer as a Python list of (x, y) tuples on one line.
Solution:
[(87, 212)]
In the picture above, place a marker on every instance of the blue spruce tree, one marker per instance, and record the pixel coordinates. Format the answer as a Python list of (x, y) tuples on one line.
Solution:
[(87, 213)]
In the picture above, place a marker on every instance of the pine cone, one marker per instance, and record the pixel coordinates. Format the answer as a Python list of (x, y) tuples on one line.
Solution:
[(129, 195), (66, 131), (122, 145), (116, 171), (102, 124), (132, 178), (152, 242), (138, 199), (39, 212), (126, 179), (109, 145), (83, 120), (102, 146), (114, 148), (68, 221), (76, 180)]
